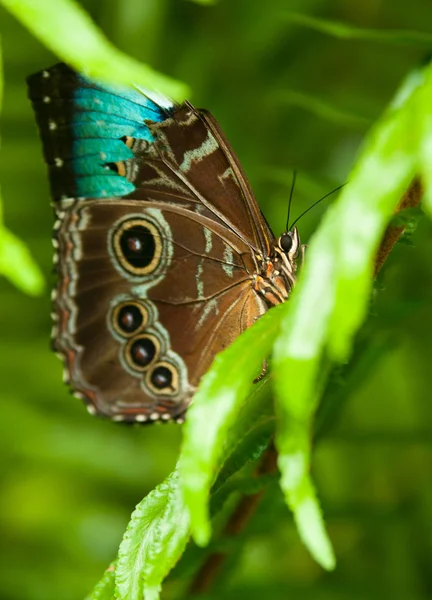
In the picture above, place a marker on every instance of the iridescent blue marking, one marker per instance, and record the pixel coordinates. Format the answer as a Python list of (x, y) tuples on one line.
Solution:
[(106, 186), (94, 164), (93, 147), (105, 114), (104, 125), (91, 99)]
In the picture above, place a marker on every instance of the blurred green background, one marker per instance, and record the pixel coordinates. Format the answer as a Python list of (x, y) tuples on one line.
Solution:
[(287, 96)]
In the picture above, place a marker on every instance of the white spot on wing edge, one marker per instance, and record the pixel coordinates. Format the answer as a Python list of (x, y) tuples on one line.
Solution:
[(141, 418)]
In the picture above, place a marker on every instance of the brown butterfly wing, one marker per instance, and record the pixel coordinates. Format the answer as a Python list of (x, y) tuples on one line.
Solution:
[(195, 300), (193, 147)]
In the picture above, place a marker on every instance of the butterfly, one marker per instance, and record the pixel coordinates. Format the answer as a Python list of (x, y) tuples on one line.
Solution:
[(162, 252)]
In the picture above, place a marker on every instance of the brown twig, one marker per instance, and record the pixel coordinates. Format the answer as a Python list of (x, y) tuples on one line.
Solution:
[(248, 504), (410, 199)]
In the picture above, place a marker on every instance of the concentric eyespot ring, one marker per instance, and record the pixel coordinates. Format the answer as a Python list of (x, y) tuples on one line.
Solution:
[(163, 379), (128, 318), (142, 351), (137, 246)]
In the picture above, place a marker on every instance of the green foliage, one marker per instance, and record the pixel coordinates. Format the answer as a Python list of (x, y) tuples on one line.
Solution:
[(160, 526), (68, 31), (155, 539), (16, 262), (327, 378)]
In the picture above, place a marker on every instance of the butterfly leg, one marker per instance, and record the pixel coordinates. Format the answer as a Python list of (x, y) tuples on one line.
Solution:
[(263, 372)]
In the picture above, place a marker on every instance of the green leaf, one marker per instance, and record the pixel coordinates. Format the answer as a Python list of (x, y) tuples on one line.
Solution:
[(425, 143), (383, 171), (249, 448), (293, 443), (246, 441), (17, 264), (154, 540), (216, 405), (330, 300), (159, 528), (66, 29), (105, 589), (349, 32)]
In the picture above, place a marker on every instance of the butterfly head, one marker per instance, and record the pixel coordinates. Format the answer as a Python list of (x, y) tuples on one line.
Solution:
[(287, 251), (289, 244), (278, 274)]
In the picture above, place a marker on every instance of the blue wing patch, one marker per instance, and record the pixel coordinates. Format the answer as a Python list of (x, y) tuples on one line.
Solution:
[(83, 125)]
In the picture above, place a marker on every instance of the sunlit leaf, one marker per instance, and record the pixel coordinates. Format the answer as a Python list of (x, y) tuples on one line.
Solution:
[(16, 262), (159, 527), (153, 542), (18, 265), (65, 28), (424, 111), (330, 301), (382, 173)]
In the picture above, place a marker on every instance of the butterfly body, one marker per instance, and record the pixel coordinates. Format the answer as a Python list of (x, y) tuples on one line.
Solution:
[(163, 255)]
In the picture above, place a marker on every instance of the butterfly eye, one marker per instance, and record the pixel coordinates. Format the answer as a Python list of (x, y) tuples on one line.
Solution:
[(285, 242), (137, 245), (128, 317), (141, 351), (163, 379)]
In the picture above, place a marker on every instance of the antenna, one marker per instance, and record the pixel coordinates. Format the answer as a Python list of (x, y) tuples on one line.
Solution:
[(315, 203), (291, 195)]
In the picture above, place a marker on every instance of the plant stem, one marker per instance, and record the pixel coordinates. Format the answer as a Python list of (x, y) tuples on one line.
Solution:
[(235, 525), (246, 507), (410, 199)]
